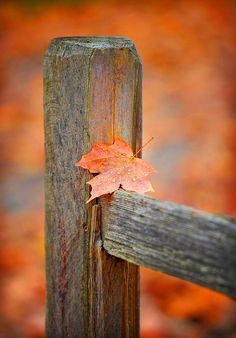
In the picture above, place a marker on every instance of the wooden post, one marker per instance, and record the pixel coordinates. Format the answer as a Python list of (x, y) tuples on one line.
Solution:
[(92, 92)]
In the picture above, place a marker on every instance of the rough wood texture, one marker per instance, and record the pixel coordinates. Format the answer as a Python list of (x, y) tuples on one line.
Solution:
[(178, 240), (92, 92)]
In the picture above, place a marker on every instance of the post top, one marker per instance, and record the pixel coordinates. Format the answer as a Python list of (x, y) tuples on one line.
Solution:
[(95, 41), (66, 47)]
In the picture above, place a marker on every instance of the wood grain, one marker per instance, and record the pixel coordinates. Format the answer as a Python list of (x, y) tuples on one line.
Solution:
[(178, 240), (92, 93)]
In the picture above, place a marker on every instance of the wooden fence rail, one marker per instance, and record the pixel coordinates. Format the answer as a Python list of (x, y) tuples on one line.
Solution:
[(178, 240)]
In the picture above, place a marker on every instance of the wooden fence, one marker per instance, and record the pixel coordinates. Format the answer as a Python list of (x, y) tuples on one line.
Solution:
[(92, 92)]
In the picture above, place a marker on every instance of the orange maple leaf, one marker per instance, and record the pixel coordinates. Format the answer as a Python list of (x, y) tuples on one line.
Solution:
[(117, 167)]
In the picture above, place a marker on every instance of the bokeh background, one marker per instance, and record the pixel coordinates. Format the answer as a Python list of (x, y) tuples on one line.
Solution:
[(188, 52)]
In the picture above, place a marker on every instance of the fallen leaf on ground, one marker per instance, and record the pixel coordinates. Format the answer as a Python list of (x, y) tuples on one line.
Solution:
[(117, 167)]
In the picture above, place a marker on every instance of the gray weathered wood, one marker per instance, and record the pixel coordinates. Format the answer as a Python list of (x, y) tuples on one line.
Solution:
[(178, 240), (92, 93)]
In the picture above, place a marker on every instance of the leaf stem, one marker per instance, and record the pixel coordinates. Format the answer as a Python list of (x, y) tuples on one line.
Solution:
[(143, 146)]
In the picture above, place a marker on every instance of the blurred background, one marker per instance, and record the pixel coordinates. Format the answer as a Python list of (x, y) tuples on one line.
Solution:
[(188, 52)]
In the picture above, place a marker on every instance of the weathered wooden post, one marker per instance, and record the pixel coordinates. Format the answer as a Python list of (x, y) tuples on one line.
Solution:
[(92, 92)]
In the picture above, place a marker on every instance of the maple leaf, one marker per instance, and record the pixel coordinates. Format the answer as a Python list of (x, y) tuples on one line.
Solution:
[(117, 167)]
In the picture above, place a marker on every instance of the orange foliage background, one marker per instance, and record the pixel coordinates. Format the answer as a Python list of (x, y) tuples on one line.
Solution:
[(188, 52)]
